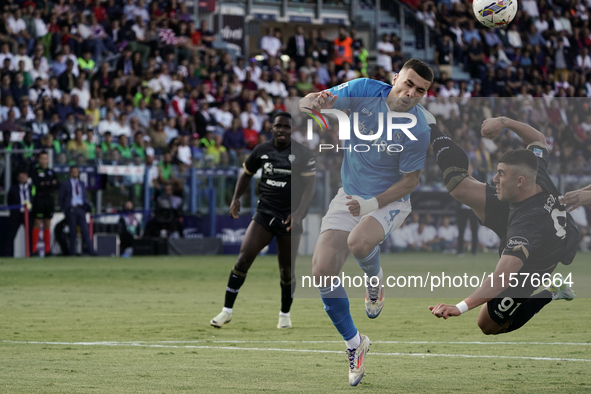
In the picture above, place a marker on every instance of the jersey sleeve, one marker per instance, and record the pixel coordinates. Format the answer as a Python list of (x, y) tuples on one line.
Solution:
[(347, 90), (521, 241), (543, 177), (541, 152), (253, 161), (413, 154), (308, 166)]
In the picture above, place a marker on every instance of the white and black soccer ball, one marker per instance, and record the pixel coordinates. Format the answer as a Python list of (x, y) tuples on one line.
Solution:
[(495, 13)]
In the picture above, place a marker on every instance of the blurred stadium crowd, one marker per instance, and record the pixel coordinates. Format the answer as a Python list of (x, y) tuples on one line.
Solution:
[(107, 82)]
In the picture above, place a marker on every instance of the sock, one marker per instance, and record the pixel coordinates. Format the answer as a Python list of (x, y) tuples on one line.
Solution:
[(529, 309), (285, 314), (47, 240), (234, 283), (336, 305), (229, 310), (354, 342), (370, 264), (35, 239), (286, 297), (452, 159)]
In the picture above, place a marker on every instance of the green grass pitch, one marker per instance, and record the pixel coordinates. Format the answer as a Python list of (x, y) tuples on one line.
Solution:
[(141, 325)]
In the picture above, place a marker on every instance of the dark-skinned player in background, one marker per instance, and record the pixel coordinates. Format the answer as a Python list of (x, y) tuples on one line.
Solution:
[(287, 165)]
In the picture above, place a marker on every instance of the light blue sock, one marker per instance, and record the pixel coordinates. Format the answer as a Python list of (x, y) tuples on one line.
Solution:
[(370, 264), (336, 305)]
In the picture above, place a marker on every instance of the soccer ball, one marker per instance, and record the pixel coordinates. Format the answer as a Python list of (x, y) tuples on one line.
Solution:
[(494, 13)]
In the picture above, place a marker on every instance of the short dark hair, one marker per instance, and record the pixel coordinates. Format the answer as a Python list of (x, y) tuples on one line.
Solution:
[(520, 157), (421, 68), (282, 113), (43, 152)]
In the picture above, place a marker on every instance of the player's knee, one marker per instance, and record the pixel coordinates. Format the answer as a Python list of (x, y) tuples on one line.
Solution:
[(487, 327), (359, 247), (243, 264)]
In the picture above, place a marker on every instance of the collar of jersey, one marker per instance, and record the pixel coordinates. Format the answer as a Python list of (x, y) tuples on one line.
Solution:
[(384, 93), (528, 200)]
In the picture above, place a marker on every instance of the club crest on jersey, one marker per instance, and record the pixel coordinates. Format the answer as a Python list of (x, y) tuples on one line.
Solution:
[(268, 169), (291, 158)]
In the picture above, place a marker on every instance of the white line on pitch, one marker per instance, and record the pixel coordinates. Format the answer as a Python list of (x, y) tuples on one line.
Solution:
[(136, 344), (395, 342), (320, 342)]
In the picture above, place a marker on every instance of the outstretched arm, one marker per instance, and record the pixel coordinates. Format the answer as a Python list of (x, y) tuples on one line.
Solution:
[(317, 101), (576, 198), (492, 127), (489, 289)]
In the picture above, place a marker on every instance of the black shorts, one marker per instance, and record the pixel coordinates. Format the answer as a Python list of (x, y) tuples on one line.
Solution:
[(496, 212), (43, 207), (502, 309), (274, 224)]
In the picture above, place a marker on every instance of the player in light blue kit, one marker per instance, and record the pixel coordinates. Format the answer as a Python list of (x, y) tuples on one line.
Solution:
[(375, 197)]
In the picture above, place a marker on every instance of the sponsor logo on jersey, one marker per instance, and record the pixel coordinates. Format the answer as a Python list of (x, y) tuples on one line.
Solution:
[(263, 157), (518, 244), (515, 241), (367, 112), (271, 182), (550, 203), (268, 169), (538, 152), (342, 86), (281, 171)]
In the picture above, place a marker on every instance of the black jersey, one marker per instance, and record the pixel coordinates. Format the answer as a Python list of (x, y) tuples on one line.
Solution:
[(540, 232), (43, 181), (282, 173)]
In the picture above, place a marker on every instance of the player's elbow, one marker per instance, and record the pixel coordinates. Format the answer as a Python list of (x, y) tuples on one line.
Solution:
[(412, 182)]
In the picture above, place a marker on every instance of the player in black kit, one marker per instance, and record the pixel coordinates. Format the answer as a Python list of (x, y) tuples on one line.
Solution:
[(523, 209), (287, 166), (45, 183)]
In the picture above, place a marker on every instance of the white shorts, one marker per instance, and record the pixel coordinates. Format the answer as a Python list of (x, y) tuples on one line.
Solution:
[(338, 216)]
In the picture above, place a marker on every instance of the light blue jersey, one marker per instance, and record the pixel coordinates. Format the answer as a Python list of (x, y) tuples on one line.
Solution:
[(368, 174)]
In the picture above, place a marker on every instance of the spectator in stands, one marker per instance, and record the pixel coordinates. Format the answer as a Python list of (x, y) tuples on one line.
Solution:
[(298, 46), (184, 154), (446, 235), (385, 53), (124, 149), (343, 51), (399, 239), (77, 146), (107, 146), (234, 141), (74, 203)]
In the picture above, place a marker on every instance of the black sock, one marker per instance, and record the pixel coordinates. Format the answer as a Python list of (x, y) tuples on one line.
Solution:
[(286, 296), (452, 159), (529, 309), (234, 283)]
